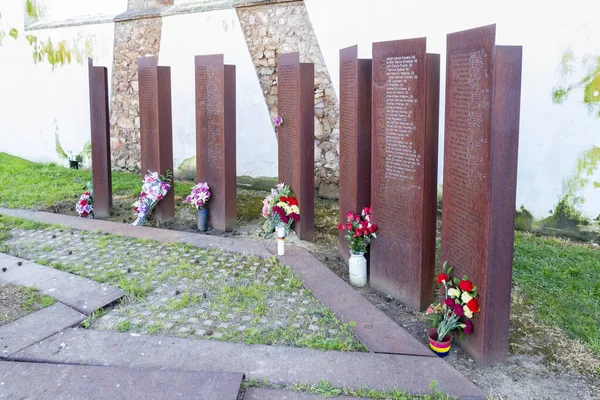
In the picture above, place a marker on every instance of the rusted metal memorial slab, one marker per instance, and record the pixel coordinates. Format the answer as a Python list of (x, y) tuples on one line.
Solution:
[(295, 102), (215, 137), (156, 137), (100, 129), (355, 137), (404, 169), (483, 91)]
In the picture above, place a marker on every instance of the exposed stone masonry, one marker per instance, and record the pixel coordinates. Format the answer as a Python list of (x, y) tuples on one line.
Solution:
[(272, 29)]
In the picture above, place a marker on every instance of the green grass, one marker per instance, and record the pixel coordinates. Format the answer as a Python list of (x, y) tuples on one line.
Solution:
[(561, 279), (325, 389), (44, 185), (34, 300)]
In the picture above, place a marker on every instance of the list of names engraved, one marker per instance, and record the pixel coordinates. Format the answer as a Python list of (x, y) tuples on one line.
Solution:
[(148, 102), (288, 99), (348, 127), (467, 132), (397, 137)]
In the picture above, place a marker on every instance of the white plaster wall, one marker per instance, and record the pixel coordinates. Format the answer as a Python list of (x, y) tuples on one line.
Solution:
[(57, 10), (552, 137), (216, 32), (35, 100)]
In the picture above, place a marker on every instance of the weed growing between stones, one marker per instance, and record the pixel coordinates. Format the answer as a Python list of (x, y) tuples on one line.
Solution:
[(180, 290)]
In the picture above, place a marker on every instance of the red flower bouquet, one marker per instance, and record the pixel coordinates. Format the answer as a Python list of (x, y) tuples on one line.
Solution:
[(360, 230)]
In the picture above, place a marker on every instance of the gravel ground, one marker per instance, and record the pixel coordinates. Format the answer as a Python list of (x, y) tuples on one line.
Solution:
[(183, 291)]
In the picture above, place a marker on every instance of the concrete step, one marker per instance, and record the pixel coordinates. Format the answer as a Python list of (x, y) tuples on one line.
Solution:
[(53, 381)]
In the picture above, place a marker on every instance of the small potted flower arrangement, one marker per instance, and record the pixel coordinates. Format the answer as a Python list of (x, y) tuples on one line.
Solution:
[(198, 198), (85, 205), (360, 230), (154, 188), (280, 207), (454, 313)]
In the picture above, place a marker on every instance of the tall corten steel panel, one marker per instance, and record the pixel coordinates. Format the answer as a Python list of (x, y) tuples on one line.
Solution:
[(404, 169), (215, 137), (156, 138), (355, 137), (483, 91), (100, 129), (295, 102)]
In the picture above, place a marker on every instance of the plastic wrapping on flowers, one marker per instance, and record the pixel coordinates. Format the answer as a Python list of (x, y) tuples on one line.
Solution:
[(199, 196), (84, 206), (154, 189), (281, 206)]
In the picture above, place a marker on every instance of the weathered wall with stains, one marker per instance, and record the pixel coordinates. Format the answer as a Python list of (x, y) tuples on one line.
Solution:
[(43, 84), (559, 159)]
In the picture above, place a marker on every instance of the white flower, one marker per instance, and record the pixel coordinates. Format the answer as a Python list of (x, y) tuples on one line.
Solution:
[(466, 297), (454, 293), (467, 312)]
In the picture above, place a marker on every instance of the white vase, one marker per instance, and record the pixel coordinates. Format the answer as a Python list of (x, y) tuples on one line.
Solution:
[(358, 269)]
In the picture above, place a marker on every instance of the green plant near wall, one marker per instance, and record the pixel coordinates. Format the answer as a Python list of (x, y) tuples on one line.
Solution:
[(62, 52), (84, 155)]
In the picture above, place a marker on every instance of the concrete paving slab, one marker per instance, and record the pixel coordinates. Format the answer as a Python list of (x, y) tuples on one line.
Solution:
[(277, 394), (279, 365), (36, 326), (241, 246), (373, 327), (82, 294), (51, 381)]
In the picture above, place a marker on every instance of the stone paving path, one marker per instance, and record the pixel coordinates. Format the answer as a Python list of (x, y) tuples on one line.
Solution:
[(183, 291)]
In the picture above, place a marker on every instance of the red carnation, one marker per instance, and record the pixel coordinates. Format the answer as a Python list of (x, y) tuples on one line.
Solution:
[(473, 305), (458, 310), (442, 277), (82, 202), (350, 216), (468, 328), (465, 286), (292, 201), (449, 302)]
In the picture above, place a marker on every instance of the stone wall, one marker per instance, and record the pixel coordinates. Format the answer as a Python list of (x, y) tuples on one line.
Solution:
[(133, 39), (272, 29)]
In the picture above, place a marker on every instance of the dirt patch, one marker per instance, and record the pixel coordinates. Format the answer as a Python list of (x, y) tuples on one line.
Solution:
[(18, 301)]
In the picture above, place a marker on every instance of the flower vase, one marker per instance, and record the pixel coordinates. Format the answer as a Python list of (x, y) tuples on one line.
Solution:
[(203, 219), (440, 348), (358, 268)]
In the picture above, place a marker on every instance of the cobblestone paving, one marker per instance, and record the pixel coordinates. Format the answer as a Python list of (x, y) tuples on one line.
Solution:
[(180, 290)]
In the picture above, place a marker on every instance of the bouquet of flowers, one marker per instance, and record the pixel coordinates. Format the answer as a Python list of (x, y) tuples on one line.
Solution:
[(84, 206), (460, 302), (281, 206), (154, 189), (199, 196), (359, 230)]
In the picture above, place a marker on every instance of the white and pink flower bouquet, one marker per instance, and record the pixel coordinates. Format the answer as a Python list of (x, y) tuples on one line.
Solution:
[(199, 196), (85, 205), (277, 121), (281, 206), (154, 188)]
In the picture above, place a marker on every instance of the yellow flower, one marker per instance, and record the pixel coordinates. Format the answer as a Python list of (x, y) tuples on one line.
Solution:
[(454, 293), (295, 209), (467, 312), (466, 297)]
